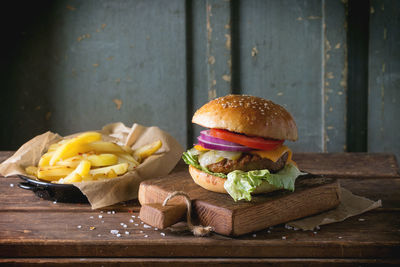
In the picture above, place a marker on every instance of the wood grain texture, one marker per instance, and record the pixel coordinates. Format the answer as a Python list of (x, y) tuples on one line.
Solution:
[(384, 77), (34, 231), (160, 216), (312, 195)]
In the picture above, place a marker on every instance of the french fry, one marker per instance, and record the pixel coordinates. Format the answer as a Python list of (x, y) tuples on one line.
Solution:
[(128, 158), (71, 162), (76, 175), (105, 147), (74, 146), (45, 159), (119, 169), (145, 151), (103, 160), (32, 170), (53, 173)]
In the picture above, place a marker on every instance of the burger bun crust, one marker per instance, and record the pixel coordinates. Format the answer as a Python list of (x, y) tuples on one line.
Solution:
[(249, 115)]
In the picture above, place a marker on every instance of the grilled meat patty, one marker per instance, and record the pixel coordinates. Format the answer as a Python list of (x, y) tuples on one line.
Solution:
[(248, 162)]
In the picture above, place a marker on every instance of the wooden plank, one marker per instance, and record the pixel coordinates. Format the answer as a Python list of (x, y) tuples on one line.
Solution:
[(335, 69), (47, 234), (194, 262), (81, 65), (281, 56), (384, 69), (5, 155), (349, 165), (312, 196)]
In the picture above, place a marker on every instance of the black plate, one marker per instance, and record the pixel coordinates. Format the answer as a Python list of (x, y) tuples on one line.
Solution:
[(55, 192)]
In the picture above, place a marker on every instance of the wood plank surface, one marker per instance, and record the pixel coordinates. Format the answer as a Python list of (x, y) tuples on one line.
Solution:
[(312, 195), (37, 230)]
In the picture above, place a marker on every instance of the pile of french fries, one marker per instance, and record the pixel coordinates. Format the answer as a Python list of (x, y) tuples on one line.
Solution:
[(87, 158)]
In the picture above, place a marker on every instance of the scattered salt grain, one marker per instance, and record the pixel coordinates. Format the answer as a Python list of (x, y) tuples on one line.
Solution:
[(361, 219), (142, 222), (138, 217), (101, 211), (133, 216), (340, 237), (124, 225), (156, 229), (102, 221), (254, 235), (54, 202), (131, 221), (126, 232), (118, 235), (114, 232), (141, 232), (146, 236), (99, 235), (163, 234), (11, 185), (79, 226), (100, 216), (284, 237), (91, 217), (268, 231), (136, 224), (113, 212), (108, 212), (315, 233), (121, 224), (146, 226)]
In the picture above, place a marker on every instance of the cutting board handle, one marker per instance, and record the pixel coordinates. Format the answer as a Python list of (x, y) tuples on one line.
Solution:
[(157, 215)]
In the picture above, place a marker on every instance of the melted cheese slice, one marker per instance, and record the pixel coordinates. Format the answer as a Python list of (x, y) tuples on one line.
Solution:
[(275, 155)]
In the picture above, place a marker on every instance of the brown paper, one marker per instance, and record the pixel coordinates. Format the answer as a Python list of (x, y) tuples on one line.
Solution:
[(106, 192), (350, 205)]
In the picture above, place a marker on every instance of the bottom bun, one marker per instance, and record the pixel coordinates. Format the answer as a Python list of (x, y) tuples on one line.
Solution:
[(216, 184)]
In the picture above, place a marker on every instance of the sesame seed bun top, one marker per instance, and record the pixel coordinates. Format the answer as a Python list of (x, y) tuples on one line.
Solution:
[(250, 115)]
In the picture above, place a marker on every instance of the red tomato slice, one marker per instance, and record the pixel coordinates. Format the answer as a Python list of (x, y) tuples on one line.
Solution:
[(253, 142)]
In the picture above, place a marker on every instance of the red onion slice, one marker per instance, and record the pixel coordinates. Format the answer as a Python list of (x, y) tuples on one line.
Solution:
[(205, 135), (224, 147)]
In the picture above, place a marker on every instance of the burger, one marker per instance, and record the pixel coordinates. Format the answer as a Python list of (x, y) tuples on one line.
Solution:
[(242, 152)]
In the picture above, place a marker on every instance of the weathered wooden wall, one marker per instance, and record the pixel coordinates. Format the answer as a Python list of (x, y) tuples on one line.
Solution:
[(75, 65)]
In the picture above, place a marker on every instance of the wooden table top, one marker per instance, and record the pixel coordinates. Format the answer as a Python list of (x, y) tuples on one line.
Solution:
[(33, 230)]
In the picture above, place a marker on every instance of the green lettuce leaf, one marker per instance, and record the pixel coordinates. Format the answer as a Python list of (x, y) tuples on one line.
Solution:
[(192, 159), (241, 184)]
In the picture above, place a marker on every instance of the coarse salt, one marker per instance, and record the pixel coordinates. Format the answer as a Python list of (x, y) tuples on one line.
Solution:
[(114, 232), (124, 225), (79, 226), (156, 229), (91, 217), (136, 224), (340, 237), (284, 237), (131, 221), (133, 216), (126, 232), (113, 212), (108, 212), (100, 216), (146, 226), (361, 219), (254, 235), (146, 236), (11, 185), (163, 234), (141, 232), (54, 202), (121, 224), (118, 235)]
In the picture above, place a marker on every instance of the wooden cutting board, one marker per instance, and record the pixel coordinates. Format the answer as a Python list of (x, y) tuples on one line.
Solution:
[(313, 194)]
